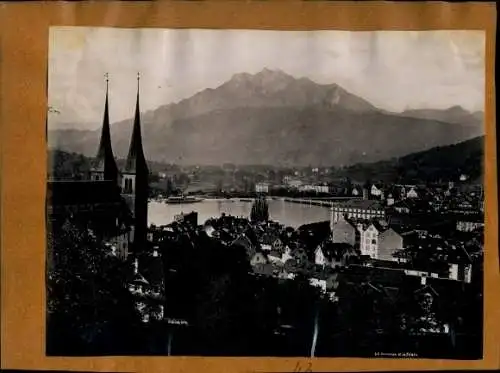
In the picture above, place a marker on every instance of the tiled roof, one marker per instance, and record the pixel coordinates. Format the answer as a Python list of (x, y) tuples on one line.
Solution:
[(381, 227), (242, 240), (344, 220), (333, 250), (268, 239), (139, 279), (427, 289), (266, 269)]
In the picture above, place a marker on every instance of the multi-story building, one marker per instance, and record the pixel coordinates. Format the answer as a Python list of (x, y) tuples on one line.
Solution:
[(412, 193), (355, 192), (379, 241), (343, 231), (358, 209), (469, 222), (262, 188), (376, 191), (314, 188), (292, 182)]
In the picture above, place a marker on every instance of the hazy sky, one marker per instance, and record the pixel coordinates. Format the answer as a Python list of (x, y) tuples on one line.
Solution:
[(393, 70)]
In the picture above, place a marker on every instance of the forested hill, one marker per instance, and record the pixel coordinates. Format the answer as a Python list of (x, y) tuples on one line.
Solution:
[(66, 165), (439, 163)]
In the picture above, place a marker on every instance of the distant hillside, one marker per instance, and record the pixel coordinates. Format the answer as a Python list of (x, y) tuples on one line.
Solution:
[(65, 165), (439, 163), (455, 114), (274, 118)]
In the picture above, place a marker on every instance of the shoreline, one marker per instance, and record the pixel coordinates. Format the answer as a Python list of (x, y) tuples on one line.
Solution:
[(317, 201)]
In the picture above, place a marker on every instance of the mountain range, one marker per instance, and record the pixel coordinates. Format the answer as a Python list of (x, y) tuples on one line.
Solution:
[(274, 118)]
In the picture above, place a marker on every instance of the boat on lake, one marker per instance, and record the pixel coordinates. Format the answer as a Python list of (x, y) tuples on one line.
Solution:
[(182, 200)]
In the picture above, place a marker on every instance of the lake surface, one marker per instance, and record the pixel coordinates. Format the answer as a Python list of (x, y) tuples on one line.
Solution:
[(286, 213)]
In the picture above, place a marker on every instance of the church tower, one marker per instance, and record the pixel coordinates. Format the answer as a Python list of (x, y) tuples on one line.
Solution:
[(104, 166), (134, 183)]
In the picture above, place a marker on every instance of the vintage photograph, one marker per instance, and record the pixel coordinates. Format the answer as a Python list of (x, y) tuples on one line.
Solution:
[(265, 193)]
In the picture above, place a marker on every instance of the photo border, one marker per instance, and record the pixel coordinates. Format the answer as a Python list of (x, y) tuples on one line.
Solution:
[(23, 76)]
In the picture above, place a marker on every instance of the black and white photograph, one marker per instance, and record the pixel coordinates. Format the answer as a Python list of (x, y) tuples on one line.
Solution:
[(264, 193)]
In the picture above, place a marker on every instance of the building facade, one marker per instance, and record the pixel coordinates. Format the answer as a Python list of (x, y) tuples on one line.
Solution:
[(368, 240), (389, 242), (358, 209), (379, 242), (343, 231), (262, 188)]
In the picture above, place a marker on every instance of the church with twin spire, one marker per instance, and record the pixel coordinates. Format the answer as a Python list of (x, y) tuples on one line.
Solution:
[(114, 201), (132, 179)]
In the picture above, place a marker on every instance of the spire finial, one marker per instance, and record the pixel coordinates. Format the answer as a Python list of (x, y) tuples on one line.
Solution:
[(106, 77)]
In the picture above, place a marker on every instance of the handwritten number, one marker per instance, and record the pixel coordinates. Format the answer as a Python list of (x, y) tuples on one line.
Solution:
[(298, 368)]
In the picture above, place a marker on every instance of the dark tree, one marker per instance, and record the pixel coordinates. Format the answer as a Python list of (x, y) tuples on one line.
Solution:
[(89, 309), (260, 211)]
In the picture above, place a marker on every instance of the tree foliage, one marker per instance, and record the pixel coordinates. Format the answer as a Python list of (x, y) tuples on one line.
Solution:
[(63, 165), (89, 308), (260, 211)]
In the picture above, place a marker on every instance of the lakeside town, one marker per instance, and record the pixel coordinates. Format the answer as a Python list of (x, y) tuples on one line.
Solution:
[(395, 270)]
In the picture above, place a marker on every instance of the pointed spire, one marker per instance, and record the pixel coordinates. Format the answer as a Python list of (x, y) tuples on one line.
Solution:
[(105, 160), (136, 160)]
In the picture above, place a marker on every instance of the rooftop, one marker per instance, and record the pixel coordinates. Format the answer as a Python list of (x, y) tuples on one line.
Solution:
[(360, 204)]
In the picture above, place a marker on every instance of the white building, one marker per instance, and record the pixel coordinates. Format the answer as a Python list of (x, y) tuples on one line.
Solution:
[(412, 193), (319, 257), (375, 191), (262, 188), (368, 240), (461, 272), (318, 283), (292, 182), (379, 242), (314, 188)]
